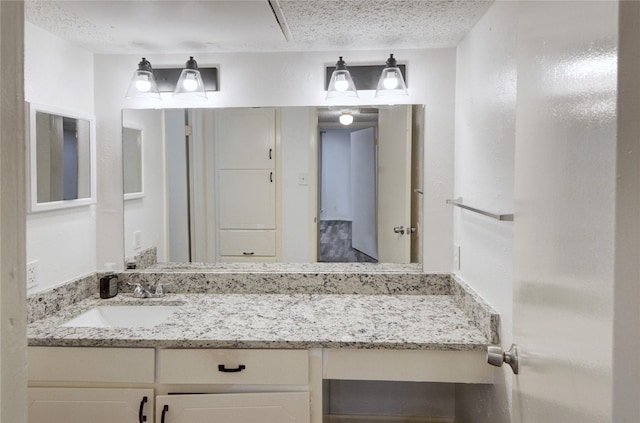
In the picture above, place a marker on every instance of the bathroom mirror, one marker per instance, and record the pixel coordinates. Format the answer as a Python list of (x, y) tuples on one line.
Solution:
[(61, 158), (132, 165), (182, 217)]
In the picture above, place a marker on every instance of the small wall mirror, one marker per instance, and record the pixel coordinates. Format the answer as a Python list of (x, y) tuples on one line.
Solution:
[(133, 175), (61, 157)]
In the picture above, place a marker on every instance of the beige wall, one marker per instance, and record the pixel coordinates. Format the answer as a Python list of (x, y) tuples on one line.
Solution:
[(13, 367)]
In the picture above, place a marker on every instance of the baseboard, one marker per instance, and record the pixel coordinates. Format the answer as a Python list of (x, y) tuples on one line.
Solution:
[(360, 418)]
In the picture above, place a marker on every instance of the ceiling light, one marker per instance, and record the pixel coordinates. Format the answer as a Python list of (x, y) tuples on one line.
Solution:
[(391, 82), (143, 84), (190, 82), (346, 119), (341, 85)]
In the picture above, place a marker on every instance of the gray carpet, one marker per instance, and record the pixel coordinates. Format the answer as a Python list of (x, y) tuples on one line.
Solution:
[(335, 243)]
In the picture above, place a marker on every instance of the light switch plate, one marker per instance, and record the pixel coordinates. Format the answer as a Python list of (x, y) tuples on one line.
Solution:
[(137, 240)]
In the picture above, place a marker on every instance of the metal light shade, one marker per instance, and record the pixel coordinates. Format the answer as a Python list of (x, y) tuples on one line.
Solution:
[(341, 85), (143, 84), (190, 83), (391, 82)]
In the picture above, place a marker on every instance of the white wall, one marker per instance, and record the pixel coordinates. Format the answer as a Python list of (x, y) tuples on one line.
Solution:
[(335, 196), (147, 214), (243, 84), (61, 75), (296, 124), (484, 178)]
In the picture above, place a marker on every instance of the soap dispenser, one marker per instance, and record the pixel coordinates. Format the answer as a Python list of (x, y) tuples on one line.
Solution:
[(108, 282)]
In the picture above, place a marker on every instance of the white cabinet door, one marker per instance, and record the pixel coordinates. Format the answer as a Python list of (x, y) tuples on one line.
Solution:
[(245, 138), (247, 199), (276, 407), (95, 405)]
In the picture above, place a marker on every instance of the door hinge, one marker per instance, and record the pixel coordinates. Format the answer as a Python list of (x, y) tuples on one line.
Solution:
[(188, 131)]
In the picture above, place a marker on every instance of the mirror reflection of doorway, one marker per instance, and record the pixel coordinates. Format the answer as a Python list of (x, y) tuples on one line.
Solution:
[(348, 221)]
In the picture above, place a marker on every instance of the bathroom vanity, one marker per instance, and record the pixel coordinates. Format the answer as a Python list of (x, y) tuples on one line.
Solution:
[(256, 346)]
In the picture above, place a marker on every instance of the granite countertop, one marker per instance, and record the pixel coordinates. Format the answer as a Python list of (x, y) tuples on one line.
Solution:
[(293, 320)]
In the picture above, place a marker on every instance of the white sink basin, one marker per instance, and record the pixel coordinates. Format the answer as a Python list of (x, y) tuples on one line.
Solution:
[(144, 316)]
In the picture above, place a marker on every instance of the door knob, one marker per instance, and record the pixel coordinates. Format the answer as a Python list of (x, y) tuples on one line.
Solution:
[(399, 230), (496, 356)]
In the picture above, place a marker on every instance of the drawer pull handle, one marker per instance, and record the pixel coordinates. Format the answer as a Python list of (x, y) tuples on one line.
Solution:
[(248, 254), (142, 418), (271, 177), (222, 368), (164, 410), (270, 150)]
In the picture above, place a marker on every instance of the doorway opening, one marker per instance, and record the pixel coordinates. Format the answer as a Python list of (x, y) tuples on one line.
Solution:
[(369, 185), (347, 229)]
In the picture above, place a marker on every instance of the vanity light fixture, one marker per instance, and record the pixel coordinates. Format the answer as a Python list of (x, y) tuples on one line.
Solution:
[(341, 84), (391, 82), (190, 82), (143, 83)]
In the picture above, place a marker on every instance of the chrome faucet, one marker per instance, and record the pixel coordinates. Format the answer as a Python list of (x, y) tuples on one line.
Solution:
[(140, 291)]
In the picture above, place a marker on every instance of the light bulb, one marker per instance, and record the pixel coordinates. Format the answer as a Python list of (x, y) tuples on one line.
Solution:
[(190, 83), (341, 83), (346, 119), (391, 81), (143, 85)]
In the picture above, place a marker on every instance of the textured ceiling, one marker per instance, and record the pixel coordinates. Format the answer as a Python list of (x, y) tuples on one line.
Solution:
[(379, 24), (135, 26)]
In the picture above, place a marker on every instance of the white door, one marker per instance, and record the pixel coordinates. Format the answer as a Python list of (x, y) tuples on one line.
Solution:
[(394, 184), (278, 407), (363, 192), (95, 405), (564, 218)]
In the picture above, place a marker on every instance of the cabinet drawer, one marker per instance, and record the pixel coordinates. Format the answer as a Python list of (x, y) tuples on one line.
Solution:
[(79, 364), (248, 243), (271, 367)]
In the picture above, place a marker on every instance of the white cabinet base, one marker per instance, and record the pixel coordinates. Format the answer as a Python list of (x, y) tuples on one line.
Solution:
[(407, 365)]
